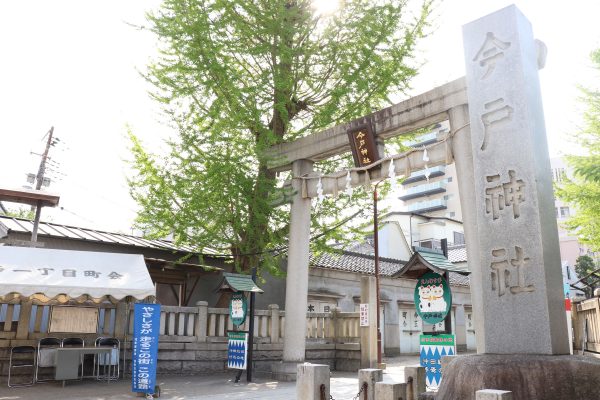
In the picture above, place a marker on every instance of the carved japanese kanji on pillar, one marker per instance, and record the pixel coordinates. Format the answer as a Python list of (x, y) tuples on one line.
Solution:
[(517, 280)]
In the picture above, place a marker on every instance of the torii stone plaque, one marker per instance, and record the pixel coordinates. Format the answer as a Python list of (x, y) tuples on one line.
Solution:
[(516, 276)]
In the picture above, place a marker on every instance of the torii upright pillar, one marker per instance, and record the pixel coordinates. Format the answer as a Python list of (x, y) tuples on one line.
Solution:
[(296, 296)]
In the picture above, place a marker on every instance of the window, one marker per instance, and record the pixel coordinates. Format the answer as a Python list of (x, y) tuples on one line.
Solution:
[(556, 212), (558, 174), (459, 238), (564, 212), (450, 214), (426, 243), (568, 273), (449, 179)]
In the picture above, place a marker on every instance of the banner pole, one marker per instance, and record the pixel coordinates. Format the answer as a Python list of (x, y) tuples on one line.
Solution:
[(251, 333)]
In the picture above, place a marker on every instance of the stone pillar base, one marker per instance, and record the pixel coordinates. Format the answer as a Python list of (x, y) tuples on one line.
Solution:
[(285, 371), (527, 376)]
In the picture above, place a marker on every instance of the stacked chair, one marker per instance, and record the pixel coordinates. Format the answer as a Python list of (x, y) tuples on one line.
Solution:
[(41, 361), (75, 342), (108, 366), (21, 358), (46, 357)]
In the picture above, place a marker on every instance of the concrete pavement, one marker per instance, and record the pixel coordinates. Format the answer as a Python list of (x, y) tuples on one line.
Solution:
[(344, 385)]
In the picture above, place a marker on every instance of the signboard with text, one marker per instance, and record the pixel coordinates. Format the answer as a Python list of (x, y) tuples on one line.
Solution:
[(364, 314), (432, 349), (146, 328), (237, 350), (433, 298), (364, 146), (238, 308)]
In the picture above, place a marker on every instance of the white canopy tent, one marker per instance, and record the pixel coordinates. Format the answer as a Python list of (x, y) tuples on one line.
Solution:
[(67, 274)]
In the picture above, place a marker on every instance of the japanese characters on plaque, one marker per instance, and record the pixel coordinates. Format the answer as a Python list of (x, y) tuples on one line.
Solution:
[(146, 328), (504, 192), (364, 314), (364, 146)]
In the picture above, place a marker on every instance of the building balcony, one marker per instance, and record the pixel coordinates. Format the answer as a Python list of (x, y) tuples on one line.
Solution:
[(427, 206), (424, 190), (420, 174)]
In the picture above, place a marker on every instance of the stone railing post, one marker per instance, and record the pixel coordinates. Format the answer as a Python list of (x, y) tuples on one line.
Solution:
[(201, 321), (490, 394), (370, 376), (274, 309), (390, 391), (415, 380), (311, 380), (336, 325)]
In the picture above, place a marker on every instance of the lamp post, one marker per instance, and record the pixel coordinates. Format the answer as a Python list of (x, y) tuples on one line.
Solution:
[(376, 246)]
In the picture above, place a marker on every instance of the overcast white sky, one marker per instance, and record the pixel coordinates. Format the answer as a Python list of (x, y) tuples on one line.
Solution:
[(72, 65)]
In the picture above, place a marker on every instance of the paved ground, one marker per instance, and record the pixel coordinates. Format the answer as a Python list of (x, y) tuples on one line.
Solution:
[(218, 386)]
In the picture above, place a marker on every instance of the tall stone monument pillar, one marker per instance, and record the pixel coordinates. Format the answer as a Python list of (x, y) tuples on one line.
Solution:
[(516, 280)]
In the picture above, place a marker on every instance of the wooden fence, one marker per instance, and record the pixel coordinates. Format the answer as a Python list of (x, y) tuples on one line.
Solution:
[(30, 321), (586, 325)]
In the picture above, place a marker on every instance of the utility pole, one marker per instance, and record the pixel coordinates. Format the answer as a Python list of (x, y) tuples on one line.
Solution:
[(38, 184)]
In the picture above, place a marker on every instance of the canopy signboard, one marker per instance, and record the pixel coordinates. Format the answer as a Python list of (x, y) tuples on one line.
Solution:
[(49, 273)]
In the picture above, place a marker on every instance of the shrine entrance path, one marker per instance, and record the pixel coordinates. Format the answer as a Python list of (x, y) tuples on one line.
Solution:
[(344, 385)]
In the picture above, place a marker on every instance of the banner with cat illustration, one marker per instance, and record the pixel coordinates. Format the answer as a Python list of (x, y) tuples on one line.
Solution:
[(433, 299)]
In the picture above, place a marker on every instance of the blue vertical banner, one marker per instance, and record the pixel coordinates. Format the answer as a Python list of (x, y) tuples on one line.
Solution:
[(432, 349), (237, 350), (146, 328)]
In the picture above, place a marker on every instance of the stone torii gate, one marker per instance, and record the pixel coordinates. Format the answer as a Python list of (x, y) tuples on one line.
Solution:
[(498, 141)]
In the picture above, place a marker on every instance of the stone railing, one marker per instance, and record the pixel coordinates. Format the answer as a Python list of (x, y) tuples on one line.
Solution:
[(203, 323), (586, 325), (30, 320), (194, 339)]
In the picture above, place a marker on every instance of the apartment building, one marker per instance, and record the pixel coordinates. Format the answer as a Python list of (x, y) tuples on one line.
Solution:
[(432, 191)]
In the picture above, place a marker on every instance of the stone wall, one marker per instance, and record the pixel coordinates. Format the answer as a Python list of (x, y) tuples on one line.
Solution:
[(202, 358), (180, 358)]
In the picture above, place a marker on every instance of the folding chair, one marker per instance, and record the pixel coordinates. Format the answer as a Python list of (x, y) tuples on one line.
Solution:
[(46, 356), (75, 342), (21, 357), (110, 363)]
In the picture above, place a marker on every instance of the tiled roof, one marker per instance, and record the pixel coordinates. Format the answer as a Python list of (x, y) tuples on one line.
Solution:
[(350, 261), (356, 262), (50, 229), (457, 254), (458, 279), (438, 260), (239, 283)]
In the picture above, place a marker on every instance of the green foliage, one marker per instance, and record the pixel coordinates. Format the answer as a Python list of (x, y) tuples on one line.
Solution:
[(238, 77), (584, 265), (20, 212), (583, 189)]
